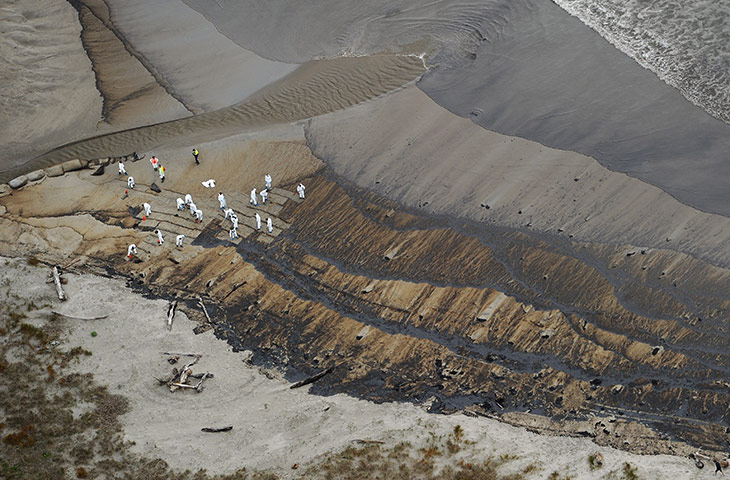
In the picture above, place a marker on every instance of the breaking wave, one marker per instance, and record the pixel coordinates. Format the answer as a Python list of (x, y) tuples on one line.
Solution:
[(686, 44)]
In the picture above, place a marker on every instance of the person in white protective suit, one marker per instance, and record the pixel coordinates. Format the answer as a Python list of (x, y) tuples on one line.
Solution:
[(253, 201), (264, 195), (198, 215), (147, 209), (122, 170), (179, 240), (180, 203), (269, 225), (222, 200), (131, 250), (258, 222), (267, 179), (160, 240), (130, 182), (188, 199)]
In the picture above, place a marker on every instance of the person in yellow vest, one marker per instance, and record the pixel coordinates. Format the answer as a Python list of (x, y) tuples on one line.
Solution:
[(195, 156), (162, 173)]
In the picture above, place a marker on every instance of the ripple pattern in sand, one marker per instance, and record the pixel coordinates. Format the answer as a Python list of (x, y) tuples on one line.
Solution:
[(314, 89)]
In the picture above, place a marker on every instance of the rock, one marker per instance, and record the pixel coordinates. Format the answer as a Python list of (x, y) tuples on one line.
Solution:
[(18, 182), (369, 288), (3, 209), (99, 171), (617, 389), (54, 171), (35, 175), (4, 189), (155, 188), (72, 165)]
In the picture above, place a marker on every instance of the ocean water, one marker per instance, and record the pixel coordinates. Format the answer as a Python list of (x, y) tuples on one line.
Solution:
[(530, 69), (685, 43)]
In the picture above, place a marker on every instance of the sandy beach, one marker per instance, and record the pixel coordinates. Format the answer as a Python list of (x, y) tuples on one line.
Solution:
[(511, 256)]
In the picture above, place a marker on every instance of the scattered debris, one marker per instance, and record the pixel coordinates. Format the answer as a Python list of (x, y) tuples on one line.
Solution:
[(178, 378), (155, 188)]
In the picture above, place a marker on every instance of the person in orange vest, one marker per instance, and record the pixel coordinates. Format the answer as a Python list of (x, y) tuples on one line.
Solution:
[(154, 161)]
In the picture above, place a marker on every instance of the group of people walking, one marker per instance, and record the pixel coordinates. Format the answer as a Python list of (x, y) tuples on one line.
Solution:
[(195, 212)]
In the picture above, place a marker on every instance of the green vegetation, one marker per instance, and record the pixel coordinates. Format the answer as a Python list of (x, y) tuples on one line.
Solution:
[(629, 472), (594, 463)]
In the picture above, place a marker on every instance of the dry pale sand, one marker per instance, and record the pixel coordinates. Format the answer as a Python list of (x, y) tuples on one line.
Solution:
[(274, 426), (422, 156)]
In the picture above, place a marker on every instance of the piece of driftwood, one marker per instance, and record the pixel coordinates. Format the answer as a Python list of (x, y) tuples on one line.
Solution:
[(171, 307), (57, 280), (183, 354), (205, 311), (64, 267), (182, 375), (201, 375), (155, 188), (312, 379), (99, 171), (79, 318), (217, 430)]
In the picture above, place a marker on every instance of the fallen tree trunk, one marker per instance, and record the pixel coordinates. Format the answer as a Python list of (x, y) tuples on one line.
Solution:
[(171, 313), (57, 280), (311, 379)]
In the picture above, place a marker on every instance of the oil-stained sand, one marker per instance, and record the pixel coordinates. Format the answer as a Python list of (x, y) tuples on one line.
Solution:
[(407, 307)]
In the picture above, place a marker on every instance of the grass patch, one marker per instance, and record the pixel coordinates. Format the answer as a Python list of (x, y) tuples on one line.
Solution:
[(629, 472)]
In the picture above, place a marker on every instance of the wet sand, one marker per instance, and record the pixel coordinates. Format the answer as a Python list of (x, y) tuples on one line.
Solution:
[(314, 89)]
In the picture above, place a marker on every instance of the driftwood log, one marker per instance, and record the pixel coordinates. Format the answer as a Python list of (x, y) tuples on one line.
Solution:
[(171, 307), (205, 311), (180, 377), (217, 430), (312, 379), (57, 280), (79, 318)]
